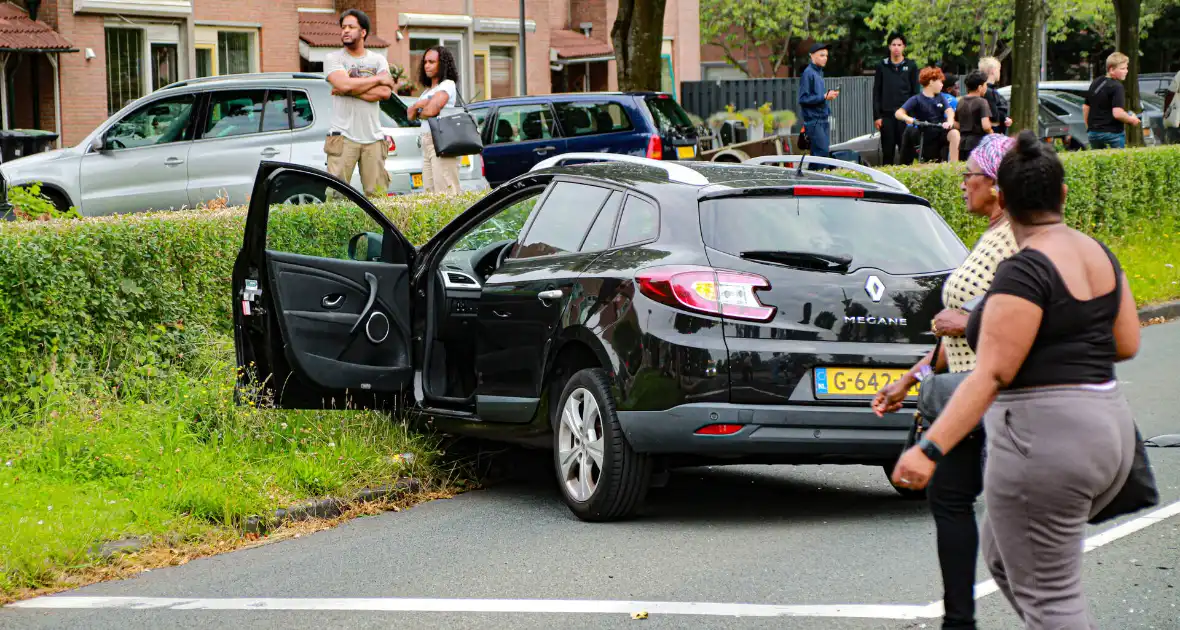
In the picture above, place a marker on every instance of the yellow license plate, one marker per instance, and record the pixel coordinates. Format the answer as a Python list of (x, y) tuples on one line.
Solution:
[(465, 160), (856, 382), (416, 180), (686, 153)]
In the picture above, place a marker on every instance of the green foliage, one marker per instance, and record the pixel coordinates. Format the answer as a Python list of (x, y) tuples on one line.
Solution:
[(742, 28), (28, 203)]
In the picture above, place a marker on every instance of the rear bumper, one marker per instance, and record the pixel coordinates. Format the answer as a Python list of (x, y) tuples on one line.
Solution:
[(785, 433)]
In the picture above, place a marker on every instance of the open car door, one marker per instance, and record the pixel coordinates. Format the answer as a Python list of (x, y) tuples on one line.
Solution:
[(321, 296)]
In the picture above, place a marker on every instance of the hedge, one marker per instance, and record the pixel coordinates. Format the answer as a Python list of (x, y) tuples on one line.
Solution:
[(85, 291)]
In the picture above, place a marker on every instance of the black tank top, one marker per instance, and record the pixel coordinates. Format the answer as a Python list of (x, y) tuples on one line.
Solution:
[(1075, 342)]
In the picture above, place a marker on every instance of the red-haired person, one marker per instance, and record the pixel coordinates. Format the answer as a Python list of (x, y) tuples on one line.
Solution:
[(930, 106)]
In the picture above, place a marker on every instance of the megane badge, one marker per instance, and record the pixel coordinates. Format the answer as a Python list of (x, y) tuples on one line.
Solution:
[(875, 288)]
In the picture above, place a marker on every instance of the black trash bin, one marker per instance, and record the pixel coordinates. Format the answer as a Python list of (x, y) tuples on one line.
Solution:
[(17, 143)]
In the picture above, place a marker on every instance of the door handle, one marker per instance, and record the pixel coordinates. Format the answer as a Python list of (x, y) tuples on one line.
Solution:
[(544, 149), (333, 301), (551, 294), (270, 152), (173, 161), (372, 280)]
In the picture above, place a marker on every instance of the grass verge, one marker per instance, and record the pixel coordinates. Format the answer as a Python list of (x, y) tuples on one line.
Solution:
[(168, 455)]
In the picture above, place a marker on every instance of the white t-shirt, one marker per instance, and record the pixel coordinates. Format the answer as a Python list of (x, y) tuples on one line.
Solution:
[(357, 119), (447, 86)]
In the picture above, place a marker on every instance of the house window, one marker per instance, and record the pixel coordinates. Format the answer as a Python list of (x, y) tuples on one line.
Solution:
[(503, 71), (164, 65), (124, 67), (204, 61), (419, 44), (233, 52)]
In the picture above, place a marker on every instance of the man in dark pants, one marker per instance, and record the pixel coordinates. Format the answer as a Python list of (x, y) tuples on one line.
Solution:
[(813, 102), (895, 81)]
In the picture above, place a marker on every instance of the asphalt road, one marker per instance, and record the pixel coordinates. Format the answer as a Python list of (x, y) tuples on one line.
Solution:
[(788, 536)]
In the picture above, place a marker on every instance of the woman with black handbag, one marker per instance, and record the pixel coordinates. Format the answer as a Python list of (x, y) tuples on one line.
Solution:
[(440, 75), (1062, 447), (953, 491)]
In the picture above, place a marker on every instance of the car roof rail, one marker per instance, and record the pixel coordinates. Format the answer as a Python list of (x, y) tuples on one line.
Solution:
[(878, 177), (245, 76), (676, 172)]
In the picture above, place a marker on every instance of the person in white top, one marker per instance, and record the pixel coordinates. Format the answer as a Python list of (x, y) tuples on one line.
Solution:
[(359, 78), (439, 73), (1172, 109)]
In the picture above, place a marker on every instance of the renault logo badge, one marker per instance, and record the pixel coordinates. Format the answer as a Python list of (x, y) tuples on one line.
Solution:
[(875, 288)]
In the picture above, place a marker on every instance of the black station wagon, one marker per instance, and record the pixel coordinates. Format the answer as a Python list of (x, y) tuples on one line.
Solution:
[(633, 315)]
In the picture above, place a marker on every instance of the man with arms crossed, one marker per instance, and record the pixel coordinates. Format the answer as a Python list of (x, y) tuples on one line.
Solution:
[(359, 79), (1104, 111)]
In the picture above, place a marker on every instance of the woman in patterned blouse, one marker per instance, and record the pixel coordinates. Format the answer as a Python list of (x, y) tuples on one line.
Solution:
[(958, 480)]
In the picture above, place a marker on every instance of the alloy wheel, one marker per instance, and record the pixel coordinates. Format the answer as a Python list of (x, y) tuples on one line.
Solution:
[(580, 445), (301, 198)]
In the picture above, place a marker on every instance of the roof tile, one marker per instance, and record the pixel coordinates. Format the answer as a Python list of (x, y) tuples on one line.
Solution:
[(322, 30), (18, 32), (574, 45)]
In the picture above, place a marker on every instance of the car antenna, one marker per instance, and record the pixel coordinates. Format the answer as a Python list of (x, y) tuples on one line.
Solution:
[(799, 171)]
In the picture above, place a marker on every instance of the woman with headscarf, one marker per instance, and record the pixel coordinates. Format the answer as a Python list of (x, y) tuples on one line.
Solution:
[(959, 480), (1060, 435)]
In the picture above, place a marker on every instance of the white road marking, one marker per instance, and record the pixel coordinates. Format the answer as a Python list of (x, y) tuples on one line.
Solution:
[(398, 604), (932, 610)]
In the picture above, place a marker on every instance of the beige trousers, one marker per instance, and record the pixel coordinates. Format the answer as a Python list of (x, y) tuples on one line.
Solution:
[(439, 174), (344, 155)]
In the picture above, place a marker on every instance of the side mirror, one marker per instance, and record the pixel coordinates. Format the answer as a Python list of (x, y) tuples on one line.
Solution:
[(99, 144), (372, 247)]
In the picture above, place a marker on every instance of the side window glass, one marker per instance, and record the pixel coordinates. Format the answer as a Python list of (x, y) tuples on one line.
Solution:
[(585, 119), (481, 118), (522, 123), (562, 221), (640, 222), (159, 122), (1055, 108), (301, 110), (505, 225), (275, 117), (353, 234), (604, 226), (234, 113)]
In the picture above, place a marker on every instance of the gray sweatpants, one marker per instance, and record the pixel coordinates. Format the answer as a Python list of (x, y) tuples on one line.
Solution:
[(1055, 457)]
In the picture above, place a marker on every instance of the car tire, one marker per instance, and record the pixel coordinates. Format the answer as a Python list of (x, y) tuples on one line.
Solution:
[(613, 486), (306, 194), (908, 494)]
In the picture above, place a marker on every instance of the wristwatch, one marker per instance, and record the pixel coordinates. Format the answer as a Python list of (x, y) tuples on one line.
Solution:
[(930, 449)]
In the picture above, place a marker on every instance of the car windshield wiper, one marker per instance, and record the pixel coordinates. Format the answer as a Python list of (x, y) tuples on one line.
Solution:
[(802, 260)]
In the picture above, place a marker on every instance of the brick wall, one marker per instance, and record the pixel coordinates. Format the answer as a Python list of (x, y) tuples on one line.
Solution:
[(84, 82)]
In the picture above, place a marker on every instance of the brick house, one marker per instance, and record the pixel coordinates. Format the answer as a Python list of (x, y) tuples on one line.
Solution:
[(119, 50)]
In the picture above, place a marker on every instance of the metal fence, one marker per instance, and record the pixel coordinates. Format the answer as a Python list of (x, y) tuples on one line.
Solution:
[(852, 111)]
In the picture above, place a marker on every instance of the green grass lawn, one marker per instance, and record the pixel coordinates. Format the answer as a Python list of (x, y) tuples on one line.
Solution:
[(172, 457), (1151, 259)]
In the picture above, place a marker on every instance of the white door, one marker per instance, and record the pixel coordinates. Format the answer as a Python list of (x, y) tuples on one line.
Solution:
[(239, 130), (144, 161)]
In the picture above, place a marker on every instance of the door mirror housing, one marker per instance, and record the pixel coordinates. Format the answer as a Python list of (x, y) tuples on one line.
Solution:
[(99, 144), (369, 251)]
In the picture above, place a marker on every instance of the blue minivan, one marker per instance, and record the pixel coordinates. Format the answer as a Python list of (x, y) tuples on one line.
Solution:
[(520, 131)]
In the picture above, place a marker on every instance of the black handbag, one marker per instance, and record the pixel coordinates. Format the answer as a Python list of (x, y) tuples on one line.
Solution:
[(456, 134), (1138, 492), (933, 395)]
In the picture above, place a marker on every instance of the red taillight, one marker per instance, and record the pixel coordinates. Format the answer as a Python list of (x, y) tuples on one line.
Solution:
[(392, 144), (701, 289), (828, 191), (719, 429), (655, 148)]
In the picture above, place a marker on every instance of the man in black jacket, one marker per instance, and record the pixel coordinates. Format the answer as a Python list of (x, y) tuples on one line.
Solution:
[(895, 81)]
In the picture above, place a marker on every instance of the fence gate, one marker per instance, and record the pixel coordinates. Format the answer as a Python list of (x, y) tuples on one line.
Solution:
[(852, 112)]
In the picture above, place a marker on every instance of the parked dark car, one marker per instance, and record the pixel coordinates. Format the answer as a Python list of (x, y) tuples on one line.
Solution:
[(632, 315), (519, 132)]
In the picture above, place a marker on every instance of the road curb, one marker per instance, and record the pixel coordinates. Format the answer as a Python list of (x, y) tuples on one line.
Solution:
[(328, 507), (1166, 310)]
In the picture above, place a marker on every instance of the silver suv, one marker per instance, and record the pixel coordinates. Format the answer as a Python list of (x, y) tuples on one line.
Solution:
[(197, 140)]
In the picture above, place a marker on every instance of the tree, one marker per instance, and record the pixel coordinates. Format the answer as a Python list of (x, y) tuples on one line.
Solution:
[(1127, 42), (1030, 16), (764, 34), (638, 34)]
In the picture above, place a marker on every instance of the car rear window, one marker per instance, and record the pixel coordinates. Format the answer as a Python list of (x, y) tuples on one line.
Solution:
[(668, 114), (587, 119), (899, 239)]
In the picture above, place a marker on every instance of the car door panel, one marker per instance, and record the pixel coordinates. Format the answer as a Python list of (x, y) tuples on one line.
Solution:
[(321, 332), (144, 162), (521, 136)]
